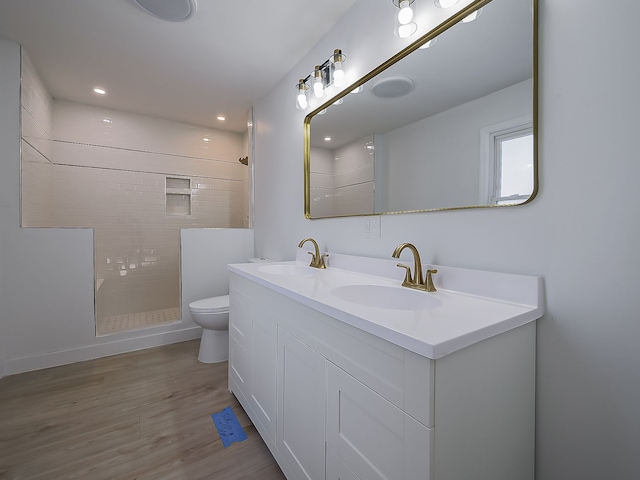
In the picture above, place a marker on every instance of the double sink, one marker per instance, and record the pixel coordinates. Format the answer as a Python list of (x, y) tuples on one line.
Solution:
[(367, 293)]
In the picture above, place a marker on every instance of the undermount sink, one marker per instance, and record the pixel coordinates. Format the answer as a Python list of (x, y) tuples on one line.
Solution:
[(285, 269), (383, 296)]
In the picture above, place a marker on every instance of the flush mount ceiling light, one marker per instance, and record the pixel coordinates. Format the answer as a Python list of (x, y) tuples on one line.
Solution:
[(314, 86), (99, 91), (169, 10), (392, 87), (404, 26)]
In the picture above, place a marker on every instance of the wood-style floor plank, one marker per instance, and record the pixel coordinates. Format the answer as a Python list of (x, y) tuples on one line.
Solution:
[(142, 415)]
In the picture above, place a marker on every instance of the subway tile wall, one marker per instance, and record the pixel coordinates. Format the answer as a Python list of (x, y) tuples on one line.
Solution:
[(37, 167), (343, 179), (107, 170)]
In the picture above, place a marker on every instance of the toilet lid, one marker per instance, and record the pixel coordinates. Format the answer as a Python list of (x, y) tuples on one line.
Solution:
[(211, 304)]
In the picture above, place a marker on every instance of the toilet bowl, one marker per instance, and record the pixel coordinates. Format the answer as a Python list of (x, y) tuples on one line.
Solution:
[(212, 314)]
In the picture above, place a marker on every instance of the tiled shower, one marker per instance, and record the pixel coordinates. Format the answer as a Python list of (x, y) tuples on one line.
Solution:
[(135, 180), (342, 179)]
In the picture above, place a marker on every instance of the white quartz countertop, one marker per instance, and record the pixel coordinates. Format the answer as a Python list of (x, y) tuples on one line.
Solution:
[(469, 306)]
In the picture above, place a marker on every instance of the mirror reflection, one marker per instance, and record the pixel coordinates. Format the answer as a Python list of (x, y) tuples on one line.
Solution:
[(449, 125)]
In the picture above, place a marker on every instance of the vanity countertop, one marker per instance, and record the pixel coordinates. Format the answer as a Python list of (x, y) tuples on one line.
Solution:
[(469, 305)]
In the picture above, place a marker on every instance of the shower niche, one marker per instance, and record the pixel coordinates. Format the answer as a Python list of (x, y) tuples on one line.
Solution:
[(178, 196)]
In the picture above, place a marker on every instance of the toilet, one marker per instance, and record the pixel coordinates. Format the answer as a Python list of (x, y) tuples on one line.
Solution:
[(212, 314)]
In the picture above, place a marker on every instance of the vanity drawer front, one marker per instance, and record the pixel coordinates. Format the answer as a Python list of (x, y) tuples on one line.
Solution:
[(376, 439)]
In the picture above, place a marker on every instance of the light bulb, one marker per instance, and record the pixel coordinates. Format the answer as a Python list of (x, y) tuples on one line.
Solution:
[(318, 87), (338, 75), (405, 31), (338, 70), (302, 101), (301, 98), (406, 12)]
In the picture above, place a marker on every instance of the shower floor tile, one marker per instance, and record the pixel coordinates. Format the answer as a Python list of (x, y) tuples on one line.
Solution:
[(137, 321)]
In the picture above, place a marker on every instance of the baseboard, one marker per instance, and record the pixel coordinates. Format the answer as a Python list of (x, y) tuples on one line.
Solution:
[(55, 359)]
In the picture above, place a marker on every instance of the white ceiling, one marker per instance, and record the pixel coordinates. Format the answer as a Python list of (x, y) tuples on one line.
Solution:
[(216, 63)]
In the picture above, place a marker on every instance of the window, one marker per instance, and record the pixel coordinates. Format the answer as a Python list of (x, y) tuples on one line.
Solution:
[(508, 163)]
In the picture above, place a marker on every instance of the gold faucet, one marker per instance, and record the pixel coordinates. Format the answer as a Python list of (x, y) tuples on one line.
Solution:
[(416, 280), (317, 260)]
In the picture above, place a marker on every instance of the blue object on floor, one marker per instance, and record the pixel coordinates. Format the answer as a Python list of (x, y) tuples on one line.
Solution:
[(228, 427)]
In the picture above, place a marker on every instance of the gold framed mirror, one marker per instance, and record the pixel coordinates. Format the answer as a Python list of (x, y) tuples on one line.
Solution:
[(450, 122)]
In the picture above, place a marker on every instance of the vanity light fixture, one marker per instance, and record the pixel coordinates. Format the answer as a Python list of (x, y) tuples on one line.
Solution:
[(404, 26), (314, 86)]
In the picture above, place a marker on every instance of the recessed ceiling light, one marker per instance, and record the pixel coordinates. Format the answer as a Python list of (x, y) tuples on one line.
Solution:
[(222, 118), (169, 10), (206, 139), (327, 139), (99, 91)]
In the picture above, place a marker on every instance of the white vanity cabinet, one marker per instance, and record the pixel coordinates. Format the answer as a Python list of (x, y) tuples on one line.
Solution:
[(334, 402), (253, 355)]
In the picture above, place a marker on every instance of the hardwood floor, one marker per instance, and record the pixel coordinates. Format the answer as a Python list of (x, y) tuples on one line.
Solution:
[(140, 415)]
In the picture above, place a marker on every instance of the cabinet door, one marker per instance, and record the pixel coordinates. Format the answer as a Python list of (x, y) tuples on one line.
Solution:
[(263, 372), (240, 351), (375, 438), (301, 408), (337, 469)]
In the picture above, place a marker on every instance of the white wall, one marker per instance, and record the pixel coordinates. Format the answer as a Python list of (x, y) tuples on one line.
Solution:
[(581, 233), (433, 168), (205, 254)]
